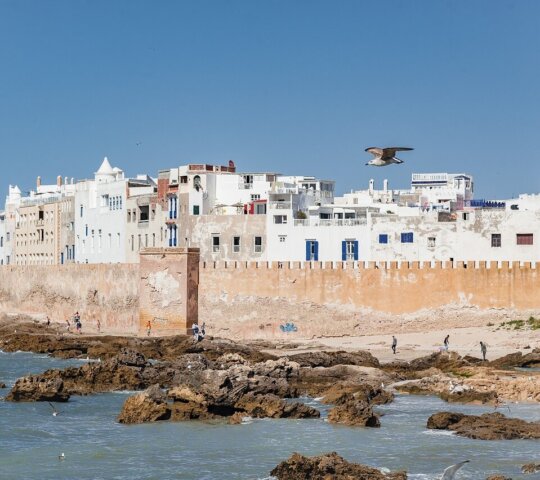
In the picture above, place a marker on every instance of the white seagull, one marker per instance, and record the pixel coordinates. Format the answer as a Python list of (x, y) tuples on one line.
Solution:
[(450, 472), (55, 412), (385, 156)]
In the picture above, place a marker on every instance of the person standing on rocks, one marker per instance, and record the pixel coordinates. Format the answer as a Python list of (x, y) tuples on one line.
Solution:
[(98, 325), (446, 342), (394, 344), (148, 328), (48, 322), (483, 349)]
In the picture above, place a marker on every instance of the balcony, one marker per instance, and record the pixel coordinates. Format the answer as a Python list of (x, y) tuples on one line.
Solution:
[(280, 205), (336, 222)]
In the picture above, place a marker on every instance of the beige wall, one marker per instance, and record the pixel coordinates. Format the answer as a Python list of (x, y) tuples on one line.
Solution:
[(42, 232), (105, 292), (242, 299)]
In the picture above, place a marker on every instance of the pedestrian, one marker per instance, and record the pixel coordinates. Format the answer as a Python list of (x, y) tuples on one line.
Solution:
[(68, 324), (483, 349), (78, 324), (446, 342), (48, 322), (203, 329), (98, 326), (148, 328), (394, 344), (195, 331)]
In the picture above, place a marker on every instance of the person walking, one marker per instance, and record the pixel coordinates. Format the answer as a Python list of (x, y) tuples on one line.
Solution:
[(98, 326), (48, 322), (148, 328), (394, 344), (483, 349), (446, 342)]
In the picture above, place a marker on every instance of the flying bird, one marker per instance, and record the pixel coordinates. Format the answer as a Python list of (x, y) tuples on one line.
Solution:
[(450, 472), (385, 156), (55, 412)]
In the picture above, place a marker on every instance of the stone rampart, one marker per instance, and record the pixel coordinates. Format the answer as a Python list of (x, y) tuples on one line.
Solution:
[(108, 293), (254, 299)]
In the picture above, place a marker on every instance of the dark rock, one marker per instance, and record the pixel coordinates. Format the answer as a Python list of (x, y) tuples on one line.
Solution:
[(271, 406), (444, 361), (131, 358), (331, 359), (35, 388), (353, 409), (469, 396), (329, 466), (531, 468), (489, 426), (498, 477)]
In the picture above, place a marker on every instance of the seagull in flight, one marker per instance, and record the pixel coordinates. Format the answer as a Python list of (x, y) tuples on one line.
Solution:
[(385, 156), (450, 472), (55, 412)]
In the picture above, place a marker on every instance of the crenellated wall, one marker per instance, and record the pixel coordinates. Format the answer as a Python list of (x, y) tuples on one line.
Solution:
[(252, 299)]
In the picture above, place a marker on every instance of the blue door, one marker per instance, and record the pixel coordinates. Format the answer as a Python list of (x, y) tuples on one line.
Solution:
[(349, 250), (312, 250)]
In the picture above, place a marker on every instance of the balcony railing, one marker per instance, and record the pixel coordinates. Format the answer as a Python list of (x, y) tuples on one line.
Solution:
[(335, 222), (280, 205)]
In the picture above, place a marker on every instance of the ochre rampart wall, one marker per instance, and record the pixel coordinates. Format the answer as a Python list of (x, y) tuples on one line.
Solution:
[(252, 299), (105, 292)]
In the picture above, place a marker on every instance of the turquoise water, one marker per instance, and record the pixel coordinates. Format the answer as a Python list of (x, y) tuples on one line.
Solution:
[(96, 447)]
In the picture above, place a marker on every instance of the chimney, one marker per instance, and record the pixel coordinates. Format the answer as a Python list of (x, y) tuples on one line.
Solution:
[(58, 181), (38, 182), (65, 180), (371, 184), (385, 185)]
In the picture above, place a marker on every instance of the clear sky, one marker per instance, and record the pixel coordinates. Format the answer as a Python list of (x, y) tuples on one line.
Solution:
[(298, 87)]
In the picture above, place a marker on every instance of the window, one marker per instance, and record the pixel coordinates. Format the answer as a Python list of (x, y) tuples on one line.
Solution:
[(257, 244), (196, 209), (260, 209), (105, 200), (282, 238), (236, 244), (144, 211), (431, 241), (40, 215), (81, 211), (524, 238), (496, 240), (407, 237), (383, 238), (255, 196), (86, 230), (215, 243), (132, 243), (280, 219), (153, 240), (465, 216), (129, 215), (349, 250)]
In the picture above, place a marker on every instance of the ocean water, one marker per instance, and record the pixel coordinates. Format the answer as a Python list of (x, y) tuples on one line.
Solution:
[(97, 447)]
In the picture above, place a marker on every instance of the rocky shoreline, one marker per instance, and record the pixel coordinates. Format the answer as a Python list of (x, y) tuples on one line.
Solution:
[(178, 379)]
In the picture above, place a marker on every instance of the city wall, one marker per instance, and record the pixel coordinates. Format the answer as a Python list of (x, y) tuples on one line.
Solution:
[(253, 299)]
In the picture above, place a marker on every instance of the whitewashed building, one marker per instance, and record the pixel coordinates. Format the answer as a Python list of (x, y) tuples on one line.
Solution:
[(110, 224)]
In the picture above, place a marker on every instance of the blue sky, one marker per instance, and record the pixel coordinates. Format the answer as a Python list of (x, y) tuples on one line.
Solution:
[(299, 87)]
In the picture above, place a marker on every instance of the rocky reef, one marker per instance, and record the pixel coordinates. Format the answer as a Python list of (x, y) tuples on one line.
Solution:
[(489, 426), (329, 466)]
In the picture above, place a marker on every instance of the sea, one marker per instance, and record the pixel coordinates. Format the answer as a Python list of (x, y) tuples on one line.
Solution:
[(96, 446)]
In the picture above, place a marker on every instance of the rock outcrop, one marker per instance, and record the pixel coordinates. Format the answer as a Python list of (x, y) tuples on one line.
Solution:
[(531, 468), (489, 426), (329, 466), (148, 406), (36, 388)]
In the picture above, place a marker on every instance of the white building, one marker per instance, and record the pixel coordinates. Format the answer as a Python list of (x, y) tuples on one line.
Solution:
[(104, 213)]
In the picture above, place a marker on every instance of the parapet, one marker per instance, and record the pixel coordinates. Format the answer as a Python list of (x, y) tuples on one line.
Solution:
[(365, 265)]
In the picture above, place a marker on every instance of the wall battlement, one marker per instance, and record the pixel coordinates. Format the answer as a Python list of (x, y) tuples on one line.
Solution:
[(252, 299), (359, 265)]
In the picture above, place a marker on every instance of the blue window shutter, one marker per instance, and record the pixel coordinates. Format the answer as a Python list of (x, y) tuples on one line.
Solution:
[(383, 238), (411, 237), (308, 250), (403, 238), (356, 249), (316, 251), (344, 250)]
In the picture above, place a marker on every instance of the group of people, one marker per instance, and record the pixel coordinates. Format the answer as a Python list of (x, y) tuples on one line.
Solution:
[(446, 342), (76, 319), (198, 332)]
